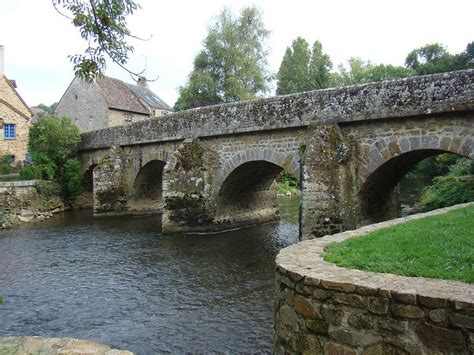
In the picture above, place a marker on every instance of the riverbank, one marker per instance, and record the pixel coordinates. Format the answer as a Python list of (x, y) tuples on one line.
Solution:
[(38, 203), (52, 346)]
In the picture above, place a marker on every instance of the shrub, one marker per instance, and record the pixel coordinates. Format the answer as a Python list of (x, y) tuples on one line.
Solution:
[(30, 172), (53, 144), (48, 188), (449, 190)]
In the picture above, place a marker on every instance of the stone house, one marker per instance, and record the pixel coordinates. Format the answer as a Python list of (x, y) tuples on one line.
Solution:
[(109, 102), (15, 118)]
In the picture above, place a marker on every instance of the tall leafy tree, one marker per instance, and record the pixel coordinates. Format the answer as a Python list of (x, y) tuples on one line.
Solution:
[(434, 58), (303, 69), (359, 71), (232, 66), (319, 68), (293, 73), (103, 24)]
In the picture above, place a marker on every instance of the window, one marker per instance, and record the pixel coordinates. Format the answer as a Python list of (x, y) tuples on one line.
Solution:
[(9, 131)]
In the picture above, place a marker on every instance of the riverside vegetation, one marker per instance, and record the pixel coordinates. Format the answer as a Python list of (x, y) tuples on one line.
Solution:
[(53, 144)]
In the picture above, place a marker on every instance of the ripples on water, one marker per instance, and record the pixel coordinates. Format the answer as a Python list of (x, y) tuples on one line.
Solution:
[(119, 282)]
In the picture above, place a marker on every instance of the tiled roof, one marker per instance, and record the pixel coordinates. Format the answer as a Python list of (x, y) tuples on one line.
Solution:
[(118, 96), (148, 96)]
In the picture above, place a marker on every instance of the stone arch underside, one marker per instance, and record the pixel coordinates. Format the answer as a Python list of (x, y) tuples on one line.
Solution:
[(248, 195), (379, 195), (88, 179), (148, 188), (383, 162)]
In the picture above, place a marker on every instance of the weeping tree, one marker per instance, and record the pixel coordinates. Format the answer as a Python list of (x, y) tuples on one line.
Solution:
[(103, 24), (232, 66)]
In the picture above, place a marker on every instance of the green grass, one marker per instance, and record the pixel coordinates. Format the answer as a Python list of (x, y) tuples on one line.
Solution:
[(440, 247)]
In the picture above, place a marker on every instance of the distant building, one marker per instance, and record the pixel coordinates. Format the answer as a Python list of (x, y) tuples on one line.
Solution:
[(15, 118), (109, 102), (37, 114)]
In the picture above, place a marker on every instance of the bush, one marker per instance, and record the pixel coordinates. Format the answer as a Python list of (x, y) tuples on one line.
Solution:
[(71, 178), (48, 189), (30, 172), (53, 144), (5, 167), (449, 190)]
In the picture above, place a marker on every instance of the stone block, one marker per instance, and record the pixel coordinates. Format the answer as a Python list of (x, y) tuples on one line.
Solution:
[(440, 338), (407, 311), (338, 286), (462, 320), (321, 294), (361, 321), (317, 326), (385, 349), (332, 314), (350, 299), (437, 315), (338, 349), (306, 308), (288, 317), (432, 302), (408, 297), (378, 305)]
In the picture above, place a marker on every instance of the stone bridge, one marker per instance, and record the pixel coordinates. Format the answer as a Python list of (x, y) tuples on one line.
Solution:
[(214, 168)]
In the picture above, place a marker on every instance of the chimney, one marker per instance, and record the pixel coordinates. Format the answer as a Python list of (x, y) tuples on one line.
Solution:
[(142, 82), (2, 49)]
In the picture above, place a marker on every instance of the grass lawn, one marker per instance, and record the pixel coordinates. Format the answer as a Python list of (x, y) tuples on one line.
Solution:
[(440, 247)]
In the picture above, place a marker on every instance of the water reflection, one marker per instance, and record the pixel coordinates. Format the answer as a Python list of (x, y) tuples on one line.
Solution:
[(118, 281)]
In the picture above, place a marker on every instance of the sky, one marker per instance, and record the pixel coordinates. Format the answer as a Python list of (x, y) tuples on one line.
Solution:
[(38, 40)]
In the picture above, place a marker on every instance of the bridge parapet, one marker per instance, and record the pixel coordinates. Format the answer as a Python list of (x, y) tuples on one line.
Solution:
[(440, 93)]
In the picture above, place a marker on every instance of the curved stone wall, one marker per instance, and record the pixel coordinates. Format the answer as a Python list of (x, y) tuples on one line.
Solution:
[(325, 309)]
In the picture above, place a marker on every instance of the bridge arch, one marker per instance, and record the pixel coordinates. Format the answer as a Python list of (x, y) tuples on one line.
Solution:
[(288, 162), (247, 192), (391, 159), (147, 190)]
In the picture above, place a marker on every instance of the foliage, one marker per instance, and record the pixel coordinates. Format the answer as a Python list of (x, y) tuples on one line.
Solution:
[(449, 189), (53, 144), (435, 165), (303, 69), (434, 58), (30, 172), (5, 166), (438, 246), (232, 64), (48, 189), (71, 178), (102, 23), (362, 72), (49, 109)]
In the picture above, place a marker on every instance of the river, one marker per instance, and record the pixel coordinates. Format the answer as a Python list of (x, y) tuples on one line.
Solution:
[(119, 281)]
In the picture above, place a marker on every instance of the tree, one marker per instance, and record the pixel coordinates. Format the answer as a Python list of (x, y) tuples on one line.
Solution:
[(102, 23), (319, 68), (293, 75), (303, 69), (49, 109), (232, 66), (362, 72), (434, 58), (53, 143)]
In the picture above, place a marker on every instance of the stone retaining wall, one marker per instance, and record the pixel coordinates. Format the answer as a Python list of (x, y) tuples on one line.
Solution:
[(20, 187), (325, 309)]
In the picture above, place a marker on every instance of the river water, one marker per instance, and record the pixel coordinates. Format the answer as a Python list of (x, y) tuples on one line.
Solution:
[(118, 281)]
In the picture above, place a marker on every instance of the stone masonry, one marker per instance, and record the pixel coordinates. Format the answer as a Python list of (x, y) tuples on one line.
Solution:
[(214, 167), (321, 308)]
